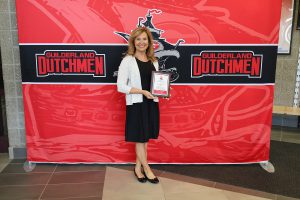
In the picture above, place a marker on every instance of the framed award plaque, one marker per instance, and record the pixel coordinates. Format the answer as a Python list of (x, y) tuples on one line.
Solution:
[(160, 84)]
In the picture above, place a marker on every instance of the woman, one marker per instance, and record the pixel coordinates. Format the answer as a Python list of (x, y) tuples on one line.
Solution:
[(142, 111)]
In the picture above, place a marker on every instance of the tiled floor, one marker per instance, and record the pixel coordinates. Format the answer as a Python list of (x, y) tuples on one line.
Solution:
[(4, 160), (285, 134), (169, 188), (117, 182), (89, 182), (51, 181)]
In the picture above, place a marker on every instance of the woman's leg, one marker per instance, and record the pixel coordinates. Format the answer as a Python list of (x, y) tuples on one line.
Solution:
[(140, 149), (146, 144), (138, 165)]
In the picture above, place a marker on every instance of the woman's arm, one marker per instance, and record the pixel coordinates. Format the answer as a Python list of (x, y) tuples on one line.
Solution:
[(146, 93), (123, 75)]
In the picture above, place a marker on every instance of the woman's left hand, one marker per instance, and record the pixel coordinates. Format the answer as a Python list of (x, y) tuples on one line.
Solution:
[(168, 98)]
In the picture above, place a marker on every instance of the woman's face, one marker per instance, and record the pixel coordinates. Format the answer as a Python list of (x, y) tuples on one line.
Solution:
[(141, 42)]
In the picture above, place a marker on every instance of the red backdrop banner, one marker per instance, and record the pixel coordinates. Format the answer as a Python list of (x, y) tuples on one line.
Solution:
[(221, 54)]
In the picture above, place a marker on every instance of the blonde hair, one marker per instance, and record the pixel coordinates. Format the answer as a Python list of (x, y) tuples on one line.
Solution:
[(131, 47)]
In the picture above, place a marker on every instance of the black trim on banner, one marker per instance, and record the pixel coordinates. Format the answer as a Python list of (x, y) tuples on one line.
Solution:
[(187, 64)]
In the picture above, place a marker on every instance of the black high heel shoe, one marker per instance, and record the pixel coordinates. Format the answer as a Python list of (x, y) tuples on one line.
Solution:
[(154, 180), (141, 180)]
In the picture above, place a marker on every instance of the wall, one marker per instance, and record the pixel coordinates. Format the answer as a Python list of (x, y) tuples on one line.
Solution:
[(12, 78), (286, 70)]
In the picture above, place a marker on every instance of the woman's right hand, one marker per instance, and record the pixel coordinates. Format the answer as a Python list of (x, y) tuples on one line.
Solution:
[(147, 94)]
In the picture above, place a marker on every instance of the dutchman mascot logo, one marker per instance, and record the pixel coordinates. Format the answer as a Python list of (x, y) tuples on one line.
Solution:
[(227, 63), (163, 50), (70, 62)]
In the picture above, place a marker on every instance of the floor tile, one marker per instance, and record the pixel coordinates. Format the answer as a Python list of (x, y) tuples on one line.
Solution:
[(21, 192), (78, 177), (175, 189), (207, 195), (18, 161), (4, 160), (276, 134), (78, 198), (135, 196), (24, 179), (124, 167), (175, 186), (290, 130), (79, 167), (240, 196), (131, 167), (2, 166), (4, 157), (73, 190), (246, 191), (188, 179), (291, 137), (279, 197), (19, 168), (127, 186)]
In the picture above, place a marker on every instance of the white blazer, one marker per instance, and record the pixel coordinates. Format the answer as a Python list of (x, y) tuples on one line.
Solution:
[(128, 77)]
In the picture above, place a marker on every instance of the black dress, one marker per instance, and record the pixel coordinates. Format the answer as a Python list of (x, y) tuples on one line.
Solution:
[(142, 119)]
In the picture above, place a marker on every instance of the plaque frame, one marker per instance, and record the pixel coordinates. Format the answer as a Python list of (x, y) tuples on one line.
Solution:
[(160, 94)]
